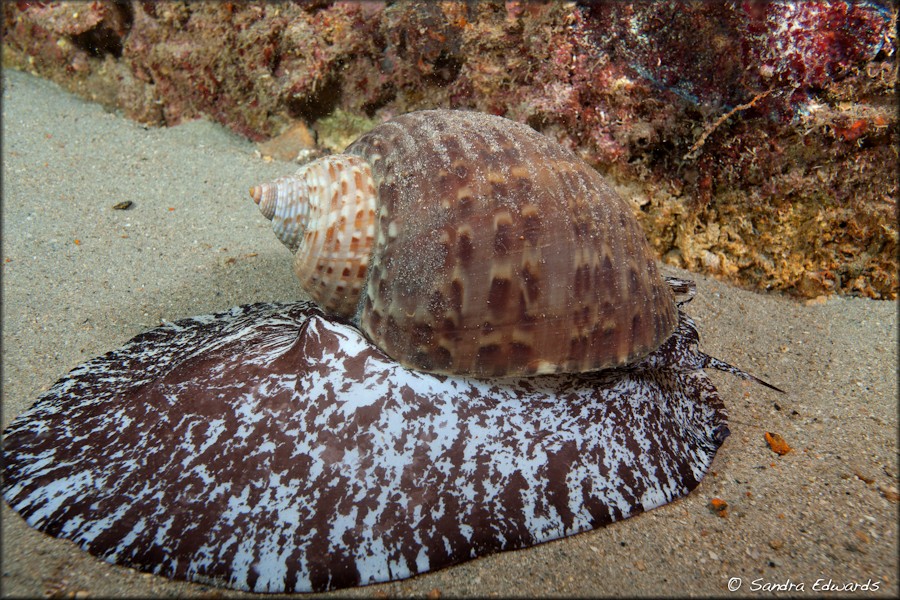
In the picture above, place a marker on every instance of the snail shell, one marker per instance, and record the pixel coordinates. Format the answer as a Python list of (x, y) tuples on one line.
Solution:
[(469, 244)]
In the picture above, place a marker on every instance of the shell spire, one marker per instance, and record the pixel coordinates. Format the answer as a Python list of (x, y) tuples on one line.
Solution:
[(284, 202), (325, 214)]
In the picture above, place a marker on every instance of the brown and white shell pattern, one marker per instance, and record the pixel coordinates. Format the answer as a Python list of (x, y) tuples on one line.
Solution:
[(497, 252), (325, 214)]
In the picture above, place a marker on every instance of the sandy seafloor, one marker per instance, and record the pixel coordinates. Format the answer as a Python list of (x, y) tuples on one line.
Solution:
[(194, 243)]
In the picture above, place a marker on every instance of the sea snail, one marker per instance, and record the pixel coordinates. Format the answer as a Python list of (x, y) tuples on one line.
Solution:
[(468, 244), (276, 448)]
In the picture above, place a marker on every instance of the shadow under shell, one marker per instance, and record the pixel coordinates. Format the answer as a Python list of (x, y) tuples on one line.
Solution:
[(269, 448)]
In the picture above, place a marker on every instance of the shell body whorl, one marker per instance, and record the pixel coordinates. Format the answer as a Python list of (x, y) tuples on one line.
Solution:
[(497, 252)]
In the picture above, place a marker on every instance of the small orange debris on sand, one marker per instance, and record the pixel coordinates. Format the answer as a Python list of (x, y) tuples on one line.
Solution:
[(777, 443)]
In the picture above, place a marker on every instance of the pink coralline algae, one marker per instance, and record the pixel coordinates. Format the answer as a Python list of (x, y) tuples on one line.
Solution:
[(807, 44), (721, 52)]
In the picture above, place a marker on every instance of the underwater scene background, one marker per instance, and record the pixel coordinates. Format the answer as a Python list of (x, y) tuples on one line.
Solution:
[(756, 141)]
